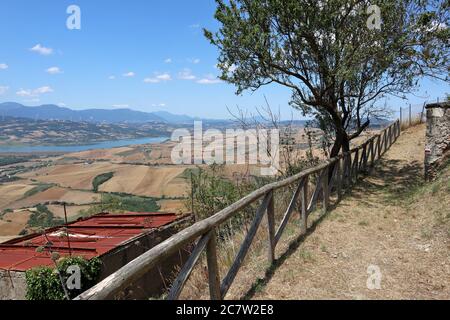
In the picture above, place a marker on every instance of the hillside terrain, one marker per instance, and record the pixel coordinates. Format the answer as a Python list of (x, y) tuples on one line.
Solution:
[(392, 220), (54, 112), (22, 131), (131, 178)]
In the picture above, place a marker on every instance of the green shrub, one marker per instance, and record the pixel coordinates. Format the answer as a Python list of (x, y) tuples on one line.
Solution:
[(123, 202), (44, 283), (101, 179), (7, 160), (212, 192), (39, 188), (43, 218)]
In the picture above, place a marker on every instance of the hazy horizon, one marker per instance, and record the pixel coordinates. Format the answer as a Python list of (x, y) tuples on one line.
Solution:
[(150, 57)]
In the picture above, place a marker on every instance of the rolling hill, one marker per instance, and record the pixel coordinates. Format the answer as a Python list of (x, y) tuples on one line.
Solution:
[(54, 112)]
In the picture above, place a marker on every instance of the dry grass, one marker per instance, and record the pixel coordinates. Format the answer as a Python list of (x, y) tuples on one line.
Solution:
[(392, 219), (256, 262), (415, 120)]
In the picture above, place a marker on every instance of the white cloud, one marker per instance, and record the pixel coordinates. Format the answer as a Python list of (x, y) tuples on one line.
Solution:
[(3, 66), (34, 92), (129, 74), (62, 104), (42, 90), (158, 78), (186, 74), (24, 93), (3, 89), (164, 77), (112, 77), (151, 80), (209, 79), (120, 105), (168, 60), (42, 50), (53, 70)]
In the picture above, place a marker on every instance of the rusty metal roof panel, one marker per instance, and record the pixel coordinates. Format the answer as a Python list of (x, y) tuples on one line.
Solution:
[(90, 237)]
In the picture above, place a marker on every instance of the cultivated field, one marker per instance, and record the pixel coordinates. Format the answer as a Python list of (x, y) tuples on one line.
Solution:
[(142, 174), (9, 193), (148, 181)]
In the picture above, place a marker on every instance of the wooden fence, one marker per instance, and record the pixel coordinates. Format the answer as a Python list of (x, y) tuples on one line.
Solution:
[(346, 169)]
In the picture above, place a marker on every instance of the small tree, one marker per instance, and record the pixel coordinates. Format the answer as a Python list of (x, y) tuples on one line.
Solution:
[(331, 56)]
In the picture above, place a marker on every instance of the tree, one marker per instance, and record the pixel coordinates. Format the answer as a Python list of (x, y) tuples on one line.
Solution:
[(329, 53)]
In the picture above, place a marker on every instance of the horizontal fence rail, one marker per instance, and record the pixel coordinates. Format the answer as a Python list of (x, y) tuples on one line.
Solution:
[(333, 176)]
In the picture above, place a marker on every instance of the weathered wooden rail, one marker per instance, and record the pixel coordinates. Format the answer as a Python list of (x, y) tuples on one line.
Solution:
[(346, 169)]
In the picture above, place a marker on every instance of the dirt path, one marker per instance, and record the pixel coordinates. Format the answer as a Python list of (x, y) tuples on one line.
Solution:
[(391, 221)]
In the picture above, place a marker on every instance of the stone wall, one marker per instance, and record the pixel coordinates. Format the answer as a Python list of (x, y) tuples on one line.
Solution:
[(437, 148), (12, 285)]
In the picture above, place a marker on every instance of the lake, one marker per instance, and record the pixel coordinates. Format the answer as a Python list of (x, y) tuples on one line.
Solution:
[(82, 147)]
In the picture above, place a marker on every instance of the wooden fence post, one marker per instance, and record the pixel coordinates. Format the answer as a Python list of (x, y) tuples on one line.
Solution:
[(349, 170), (391, 136), (213, 269), (271, 226), (355, 165), (339, 178), (326, 193), (379, 145), (401, 115), (372, 153), (385, 141), (364, 158), (304, 213), (410, 116)]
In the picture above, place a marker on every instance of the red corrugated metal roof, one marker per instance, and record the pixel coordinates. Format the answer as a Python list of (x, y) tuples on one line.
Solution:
[(91, 237)]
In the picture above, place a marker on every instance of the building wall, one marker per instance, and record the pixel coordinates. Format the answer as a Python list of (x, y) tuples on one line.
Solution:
[(156, 281), (12, 285), (437, 148)]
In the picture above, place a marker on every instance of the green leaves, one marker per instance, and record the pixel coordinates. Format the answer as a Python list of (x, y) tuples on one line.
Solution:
[(335, 65), (43, 283)]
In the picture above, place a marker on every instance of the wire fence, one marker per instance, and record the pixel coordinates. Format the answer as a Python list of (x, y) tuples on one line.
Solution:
[(416, 113)]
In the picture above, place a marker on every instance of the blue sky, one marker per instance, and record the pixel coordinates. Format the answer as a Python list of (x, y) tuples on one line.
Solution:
[(146, 55)]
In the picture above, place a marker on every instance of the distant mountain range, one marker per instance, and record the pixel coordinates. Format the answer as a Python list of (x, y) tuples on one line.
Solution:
[(54, 112)]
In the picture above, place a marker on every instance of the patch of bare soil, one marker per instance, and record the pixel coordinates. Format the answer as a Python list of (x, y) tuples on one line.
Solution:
[(57, 194), (172, 206), (73, 212), (391, 221), (13, 222), (148, 181), (12, 192), (76, 176)]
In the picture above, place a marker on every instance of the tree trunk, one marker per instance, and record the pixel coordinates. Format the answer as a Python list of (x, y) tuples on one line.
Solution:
[(341, 142)]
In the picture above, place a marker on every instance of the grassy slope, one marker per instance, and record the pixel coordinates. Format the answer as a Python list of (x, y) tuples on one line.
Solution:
[(392, 220)]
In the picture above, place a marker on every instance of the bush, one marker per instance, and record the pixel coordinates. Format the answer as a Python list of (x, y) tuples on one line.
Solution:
[(43, 218), (212, 192), (7, 160), (122, 203), (101, 179), (44, 283), (37, 189)]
